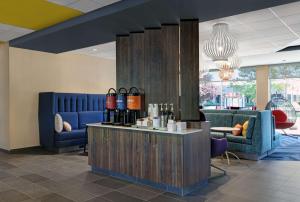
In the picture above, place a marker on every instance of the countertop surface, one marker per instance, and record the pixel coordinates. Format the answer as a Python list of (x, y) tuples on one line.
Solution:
[(183, 132)]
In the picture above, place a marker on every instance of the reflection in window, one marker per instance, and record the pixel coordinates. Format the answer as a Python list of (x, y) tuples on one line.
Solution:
[(285, 82), (239, 92)]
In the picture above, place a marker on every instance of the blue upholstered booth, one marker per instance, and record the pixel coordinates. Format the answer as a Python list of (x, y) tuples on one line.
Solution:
[(260, 138), (77, 109)]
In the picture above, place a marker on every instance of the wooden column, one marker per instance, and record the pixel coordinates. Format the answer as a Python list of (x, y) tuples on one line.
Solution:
[(136, 61), (262, 90), (162, 66), (122, 61), (170, 64), (189, 69), (155, 62), (153, 67)]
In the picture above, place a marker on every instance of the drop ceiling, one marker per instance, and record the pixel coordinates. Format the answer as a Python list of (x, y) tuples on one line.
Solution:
[(84, 5), (102, 25), (259, 33), (20, 17)]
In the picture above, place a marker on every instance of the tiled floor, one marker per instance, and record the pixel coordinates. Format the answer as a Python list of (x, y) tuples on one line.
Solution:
[(66, 178)]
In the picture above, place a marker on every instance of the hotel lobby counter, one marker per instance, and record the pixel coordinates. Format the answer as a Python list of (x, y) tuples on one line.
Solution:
[(177, 162), (183, 132)]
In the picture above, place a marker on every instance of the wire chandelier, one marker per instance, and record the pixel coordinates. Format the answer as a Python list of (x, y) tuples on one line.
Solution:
[(226, 72), (221, 45)]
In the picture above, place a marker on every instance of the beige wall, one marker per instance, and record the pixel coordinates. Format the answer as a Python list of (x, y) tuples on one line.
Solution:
[(262, 87), (32, 72), (4, 92)]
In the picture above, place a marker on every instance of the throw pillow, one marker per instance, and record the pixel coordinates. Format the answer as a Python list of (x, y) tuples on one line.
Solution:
[(245, 128), (67, 126), (58, 123), (238, 132)]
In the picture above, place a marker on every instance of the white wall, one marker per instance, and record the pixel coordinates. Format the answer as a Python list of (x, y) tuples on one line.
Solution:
[(31, 72), (4, 92)]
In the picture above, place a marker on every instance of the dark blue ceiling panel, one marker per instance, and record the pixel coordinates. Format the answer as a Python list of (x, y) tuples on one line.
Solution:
[(102, 25)]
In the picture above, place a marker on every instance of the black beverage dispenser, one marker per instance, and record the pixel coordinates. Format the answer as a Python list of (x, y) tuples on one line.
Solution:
[(134, 107), (121, 118), (110, 105)]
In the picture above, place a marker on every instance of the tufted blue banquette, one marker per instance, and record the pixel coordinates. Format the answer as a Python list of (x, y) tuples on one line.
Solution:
[(77, 109), (260, 138)]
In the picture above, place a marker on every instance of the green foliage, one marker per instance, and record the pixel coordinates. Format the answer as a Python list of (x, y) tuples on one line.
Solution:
[(247, 89), (277, 87)]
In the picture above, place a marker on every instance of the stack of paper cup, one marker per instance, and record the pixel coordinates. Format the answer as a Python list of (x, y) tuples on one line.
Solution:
[(181, 126), (171, 126)]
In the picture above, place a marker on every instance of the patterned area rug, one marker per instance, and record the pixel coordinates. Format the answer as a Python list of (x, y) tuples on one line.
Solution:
[(288, 150)]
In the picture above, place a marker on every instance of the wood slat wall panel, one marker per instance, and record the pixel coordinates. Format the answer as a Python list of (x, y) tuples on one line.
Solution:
[(170, 64), (154, 77), (179, 161), (196, 166), (150, 61), (189, 69), (122, 61), (136, 61)]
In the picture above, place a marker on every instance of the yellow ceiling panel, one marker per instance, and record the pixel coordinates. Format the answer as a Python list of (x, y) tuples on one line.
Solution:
[(34, 14)]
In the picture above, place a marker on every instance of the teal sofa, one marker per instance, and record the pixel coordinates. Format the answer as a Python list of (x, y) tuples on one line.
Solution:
[(260, 139)]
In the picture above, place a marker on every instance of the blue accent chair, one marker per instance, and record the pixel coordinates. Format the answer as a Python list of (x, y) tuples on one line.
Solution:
[(77, 109), (260, 138)]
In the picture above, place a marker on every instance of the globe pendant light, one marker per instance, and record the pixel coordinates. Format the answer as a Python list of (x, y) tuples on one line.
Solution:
[(234, 62), (226, 72), (221, 44)]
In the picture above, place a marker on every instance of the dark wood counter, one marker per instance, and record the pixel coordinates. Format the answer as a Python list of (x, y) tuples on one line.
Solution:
[(176, 162)]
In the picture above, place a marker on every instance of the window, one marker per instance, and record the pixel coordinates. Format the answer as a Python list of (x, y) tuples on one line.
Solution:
[(240, 91), (285, 81)]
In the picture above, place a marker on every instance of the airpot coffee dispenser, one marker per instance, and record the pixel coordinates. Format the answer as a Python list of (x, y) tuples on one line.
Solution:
[(133, 105), (110, 106), (120, 115)]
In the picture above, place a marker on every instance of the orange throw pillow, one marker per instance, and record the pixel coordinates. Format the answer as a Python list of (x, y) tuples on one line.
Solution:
[(238, 132)]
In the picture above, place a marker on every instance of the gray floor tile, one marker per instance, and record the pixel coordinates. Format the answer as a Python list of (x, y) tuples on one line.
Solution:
[(99, 199), (193, 197), (89, 177), (138, 192), (34, 190), (112, 183), (94, 188), (4, 187), (54, 186), (6, 166), (78, 195), (120, 197), (155, 190), (34, 178), (66, 177), (54, 198), (12, 196), (4, 174), (15, 182), (163, 198)]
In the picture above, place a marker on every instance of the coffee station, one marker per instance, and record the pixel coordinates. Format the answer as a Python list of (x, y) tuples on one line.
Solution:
[(132, 140), (124, 108), (152, 134)]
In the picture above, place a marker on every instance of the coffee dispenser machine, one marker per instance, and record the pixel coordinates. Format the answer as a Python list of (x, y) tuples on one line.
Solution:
[(110, 106), (121, 114), (133, 105)]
